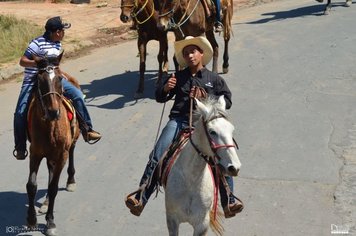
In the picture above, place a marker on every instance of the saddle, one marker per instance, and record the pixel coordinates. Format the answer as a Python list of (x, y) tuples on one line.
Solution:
[(71, 114), (209, 7), (170, 156)]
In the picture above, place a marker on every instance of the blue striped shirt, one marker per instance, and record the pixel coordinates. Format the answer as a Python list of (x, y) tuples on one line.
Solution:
[(40, 47)]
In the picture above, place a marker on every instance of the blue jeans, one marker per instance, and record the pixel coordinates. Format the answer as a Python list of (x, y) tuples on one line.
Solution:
[(217, 6), (168, 135), (20, 116)]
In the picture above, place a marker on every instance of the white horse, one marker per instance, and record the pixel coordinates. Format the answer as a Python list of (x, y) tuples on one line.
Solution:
[(190, 189)]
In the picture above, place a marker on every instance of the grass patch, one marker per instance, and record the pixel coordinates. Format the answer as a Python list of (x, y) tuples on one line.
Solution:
[(15, 35)]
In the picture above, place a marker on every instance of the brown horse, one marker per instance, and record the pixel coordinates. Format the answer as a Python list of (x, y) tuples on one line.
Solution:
[(193, 18), (53, 136), (327, 10), (144, 15)]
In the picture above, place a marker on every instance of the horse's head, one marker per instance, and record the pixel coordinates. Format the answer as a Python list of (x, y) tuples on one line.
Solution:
[(165, 13), (127, 8), (49, 85), (216, 135)]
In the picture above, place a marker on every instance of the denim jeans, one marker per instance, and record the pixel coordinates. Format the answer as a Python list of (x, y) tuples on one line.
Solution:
[(169, 133), (20, 116), (76, 95)]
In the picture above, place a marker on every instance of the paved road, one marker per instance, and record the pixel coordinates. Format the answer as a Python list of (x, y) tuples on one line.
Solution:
[(293, 78)]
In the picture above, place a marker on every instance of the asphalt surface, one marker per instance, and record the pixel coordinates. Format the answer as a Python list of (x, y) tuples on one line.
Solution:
[(293, 79)]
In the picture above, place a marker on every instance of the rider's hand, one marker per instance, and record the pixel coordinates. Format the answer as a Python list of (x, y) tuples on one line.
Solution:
[(197, 92), (171, 83)]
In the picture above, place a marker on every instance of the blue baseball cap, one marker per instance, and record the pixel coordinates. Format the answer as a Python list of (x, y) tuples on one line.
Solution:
[(55, 23)]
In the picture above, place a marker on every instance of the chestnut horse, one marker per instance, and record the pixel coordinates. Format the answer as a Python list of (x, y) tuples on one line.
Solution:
[(328, 5), (144, 15), (190, 18), (53, 136)]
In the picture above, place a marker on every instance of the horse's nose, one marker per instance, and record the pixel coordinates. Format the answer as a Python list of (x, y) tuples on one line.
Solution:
[(124, 18), (233, 171), (53, 114), (161, 26)]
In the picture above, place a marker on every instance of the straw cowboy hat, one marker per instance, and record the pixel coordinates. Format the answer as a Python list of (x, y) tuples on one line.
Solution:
[(200, 42)]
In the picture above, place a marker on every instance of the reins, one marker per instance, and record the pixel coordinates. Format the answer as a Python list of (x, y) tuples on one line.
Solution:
[(212, 161)]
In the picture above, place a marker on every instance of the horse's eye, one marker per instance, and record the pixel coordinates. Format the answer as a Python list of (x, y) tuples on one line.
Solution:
[(212, 133)]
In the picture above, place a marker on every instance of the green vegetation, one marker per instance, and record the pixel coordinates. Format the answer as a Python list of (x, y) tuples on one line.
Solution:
[(15, 36)]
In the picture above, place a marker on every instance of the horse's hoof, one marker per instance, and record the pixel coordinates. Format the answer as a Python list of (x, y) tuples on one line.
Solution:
[(31, 227), (348, 3), (43, 209), (138, 95), (71, 187), (225, 70), (51, 232), (51, 229), (327, 10)]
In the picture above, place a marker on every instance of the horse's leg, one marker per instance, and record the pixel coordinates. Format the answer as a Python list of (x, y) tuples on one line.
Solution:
[(176, 65), (227, 16), (327, 8), (44, 206), (162, 58), (165, 55), (202, 228), (71, 185), (172, 224), (226, 56), (54, 173), (141, 44), (211, 37), (348, 3), (31, 188)]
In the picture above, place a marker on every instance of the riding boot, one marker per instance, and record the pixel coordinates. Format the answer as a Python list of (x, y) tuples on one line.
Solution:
[(88, 133), (231, 204)]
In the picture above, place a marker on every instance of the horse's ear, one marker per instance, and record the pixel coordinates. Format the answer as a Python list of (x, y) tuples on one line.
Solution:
[(222, 103), (60, 56), (202, 109)]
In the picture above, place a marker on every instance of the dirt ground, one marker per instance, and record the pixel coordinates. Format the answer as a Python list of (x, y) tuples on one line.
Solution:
[(95, 24)]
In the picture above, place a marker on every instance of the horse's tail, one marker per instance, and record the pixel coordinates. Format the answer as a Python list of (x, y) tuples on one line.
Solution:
[(216, 222), (227, 6)]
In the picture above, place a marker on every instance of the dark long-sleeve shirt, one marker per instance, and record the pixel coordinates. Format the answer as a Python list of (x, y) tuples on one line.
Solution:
[(211, 82)]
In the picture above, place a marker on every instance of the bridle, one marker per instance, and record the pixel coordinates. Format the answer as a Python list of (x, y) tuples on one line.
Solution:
[(48, 70), (171, 22), (212, 160)]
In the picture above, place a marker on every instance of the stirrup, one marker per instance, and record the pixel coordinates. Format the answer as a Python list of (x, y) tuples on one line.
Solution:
[(136, 206), (219, 27)]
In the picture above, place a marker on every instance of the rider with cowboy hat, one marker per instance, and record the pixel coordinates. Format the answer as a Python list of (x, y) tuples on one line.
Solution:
[(193, 54)]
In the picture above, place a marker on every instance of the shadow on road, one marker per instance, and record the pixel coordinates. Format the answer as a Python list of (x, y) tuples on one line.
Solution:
[(315, 10), (13, 212), (123, 85)]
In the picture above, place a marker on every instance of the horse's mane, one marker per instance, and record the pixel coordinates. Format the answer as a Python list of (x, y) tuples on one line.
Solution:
[(214, 109)]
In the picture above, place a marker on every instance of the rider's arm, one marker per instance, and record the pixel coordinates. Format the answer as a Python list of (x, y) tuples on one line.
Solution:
[(26, 62), (165, 90)]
